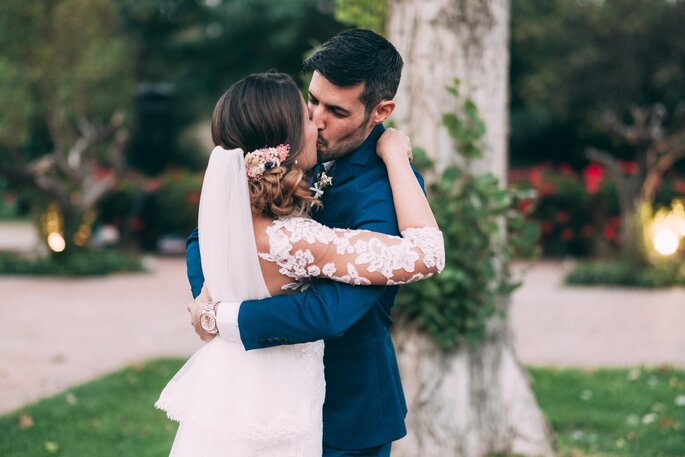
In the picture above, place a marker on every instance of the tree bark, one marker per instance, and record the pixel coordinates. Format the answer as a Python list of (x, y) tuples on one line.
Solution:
[(441, 40), (465, 402)]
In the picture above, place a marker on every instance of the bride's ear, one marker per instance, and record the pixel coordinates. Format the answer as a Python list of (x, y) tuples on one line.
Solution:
[(382, 111)]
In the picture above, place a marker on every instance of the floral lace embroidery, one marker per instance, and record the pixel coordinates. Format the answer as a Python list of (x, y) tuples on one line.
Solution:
[(357, 250)]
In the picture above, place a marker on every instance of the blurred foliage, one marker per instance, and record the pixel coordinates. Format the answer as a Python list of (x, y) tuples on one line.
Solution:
[(472, 212), (578, 212), (365, 14), (201, 47), (145, 210), (573, 60), (83, 263), (67, 66), (661, 273), (65, 70), (60, 61)]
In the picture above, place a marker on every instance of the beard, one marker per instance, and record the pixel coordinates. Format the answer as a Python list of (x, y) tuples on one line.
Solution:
[(345, 145)]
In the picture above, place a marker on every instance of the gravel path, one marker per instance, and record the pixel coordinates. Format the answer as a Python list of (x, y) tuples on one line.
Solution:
[(56, 333), (596, 326)]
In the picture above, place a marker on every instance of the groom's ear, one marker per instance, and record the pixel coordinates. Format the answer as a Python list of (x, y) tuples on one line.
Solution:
[(382, 111)]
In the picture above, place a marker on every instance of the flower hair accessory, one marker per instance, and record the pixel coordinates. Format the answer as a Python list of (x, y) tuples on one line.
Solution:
[(260, 160)]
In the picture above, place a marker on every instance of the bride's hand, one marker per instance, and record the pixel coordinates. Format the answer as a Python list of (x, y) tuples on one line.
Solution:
[(394, 145), (195, 309)]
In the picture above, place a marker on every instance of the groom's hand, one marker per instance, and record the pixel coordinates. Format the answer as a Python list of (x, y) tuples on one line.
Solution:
[(195, 309)]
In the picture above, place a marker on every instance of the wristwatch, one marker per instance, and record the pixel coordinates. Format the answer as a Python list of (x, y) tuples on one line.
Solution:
[(208, 319)]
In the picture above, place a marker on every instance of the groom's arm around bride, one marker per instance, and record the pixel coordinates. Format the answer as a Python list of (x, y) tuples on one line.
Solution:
[(364, 406)]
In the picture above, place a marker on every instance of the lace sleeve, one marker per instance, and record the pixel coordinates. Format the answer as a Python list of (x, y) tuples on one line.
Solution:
[(303, 248)]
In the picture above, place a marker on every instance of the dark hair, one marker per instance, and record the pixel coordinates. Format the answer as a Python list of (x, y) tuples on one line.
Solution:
[(265, 110), (359, 55)]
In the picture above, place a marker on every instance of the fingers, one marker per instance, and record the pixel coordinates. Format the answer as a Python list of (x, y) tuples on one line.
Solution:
[(204, 336), (195, 309)]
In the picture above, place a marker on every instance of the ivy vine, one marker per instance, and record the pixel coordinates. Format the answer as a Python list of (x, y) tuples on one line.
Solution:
[(473, 211)]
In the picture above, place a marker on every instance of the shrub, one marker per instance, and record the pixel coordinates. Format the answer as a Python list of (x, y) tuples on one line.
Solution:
[(82, 263), (578, 212), (472, 211), (144, 210), (664, 273)]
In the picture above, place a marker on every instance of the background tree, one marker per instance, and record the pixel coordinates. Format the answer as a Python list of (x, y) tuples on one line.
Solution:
[(658, 142), (65, 71), (72, 69), (464, 399), (602, 81), (573, 61), (200, 48)]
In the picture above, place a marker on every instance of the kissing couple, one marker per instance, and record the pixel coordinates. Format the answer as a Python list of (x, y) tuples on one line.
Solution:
[(310, 216)]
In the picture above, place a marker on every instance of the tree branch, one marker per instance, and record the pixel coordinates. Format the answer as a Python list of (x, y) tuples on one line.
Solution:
[(663, 164), (605, 159)]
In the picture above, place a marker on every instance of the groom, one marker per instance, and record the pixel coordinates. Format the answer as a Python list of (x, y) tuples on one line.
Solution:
[(355, 78)]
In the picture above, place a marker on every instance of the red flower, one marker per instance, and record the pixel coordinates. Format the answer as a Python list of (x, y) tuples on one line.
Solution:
[(610, 233), (193, 197), (102, 173), (593, 177), (587, 231), (525, 205), (679, 186), (535, 176), (546, 188), (614, 222), (628, 166), (10, 198), (516, 175), (566, 170), (152, 185), (136, 224), (546, 227), (562, 217), (568, 234)]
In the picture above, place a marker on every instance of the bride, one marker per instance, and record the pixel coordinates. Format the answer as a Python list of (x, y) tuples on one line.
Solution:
[(257, 240)]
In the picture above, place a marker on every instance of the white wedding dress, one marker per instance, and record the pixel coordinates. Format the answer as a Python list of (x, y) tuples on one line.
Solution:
[(268, 402)]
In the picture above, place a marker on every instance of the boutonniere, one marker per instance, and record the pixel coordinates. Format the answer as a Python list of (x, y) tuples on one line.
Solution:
[(323, 181)]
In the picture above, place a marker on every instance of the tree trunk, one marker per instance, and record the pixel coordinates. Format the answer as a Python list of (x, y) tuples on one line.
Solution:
[(467, 402), (463, 402), (441, 40)]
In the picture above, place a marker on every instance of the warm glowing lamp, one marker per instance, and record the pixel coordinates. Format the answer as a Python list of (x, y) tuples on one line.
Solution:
[(56, 242), (665, 241)]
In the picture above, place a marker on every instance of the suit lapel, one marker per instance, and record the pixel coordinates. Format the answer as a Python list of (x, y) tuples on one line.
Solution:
[(346, 169)]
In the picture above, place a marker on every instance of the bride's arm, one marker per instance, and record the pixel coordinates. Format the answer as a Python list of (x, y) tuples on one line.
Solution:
[(411, 205), (304, 248)]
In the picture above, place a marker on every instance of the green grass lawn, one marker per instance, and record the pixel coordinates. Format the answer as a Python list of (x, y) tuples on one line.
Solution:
[(602, 413), (636, 412)]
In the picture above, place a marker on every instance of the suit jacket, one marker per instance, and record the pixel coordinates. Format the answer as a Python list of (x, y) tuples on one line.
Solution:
[(364, 404)]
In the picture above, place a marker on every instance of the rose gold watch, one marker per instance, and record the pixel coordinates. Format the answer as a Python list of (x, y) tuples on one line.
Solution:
[(208, 319)]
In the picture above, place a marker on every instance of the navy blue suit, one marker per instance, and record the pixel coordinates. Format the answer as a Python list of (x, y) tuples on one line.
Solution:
[(364, 405)]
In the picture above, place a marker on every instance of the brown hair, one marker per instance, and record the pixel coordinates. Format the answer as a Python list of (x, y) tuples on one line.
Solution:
[(264, 110)]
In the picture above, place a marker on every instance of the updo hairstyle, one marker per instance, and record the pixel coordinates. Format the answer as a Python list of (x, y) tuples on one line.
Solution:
[(265, 110)]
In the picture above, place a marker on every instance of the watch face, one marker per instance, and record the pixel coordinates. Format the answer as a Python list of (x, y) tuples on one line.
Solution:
[(208, 322)]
